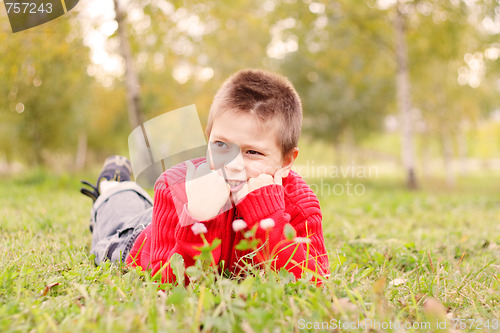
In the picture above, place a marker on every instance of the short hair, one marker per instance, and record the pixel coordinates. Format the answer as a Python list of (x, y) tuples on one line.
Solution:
[(265, 94)]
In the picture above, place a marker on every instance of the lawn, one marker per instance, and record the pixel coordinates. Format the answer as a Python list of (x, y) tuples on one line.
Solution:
[(400, 261)]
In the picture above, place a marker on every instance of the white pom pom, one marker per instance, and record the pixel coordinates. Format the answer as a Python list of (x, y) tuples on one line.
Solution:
[(199, 228), (267, 223), (239, 224)]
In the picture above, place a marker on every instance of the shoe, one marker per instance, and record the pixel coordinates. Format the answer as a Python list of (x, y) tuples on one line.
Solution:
[(116, 168)]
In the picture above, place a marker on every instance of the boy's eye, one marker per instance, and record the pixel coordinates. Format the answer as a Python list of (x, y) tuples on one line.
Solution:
[(253, 152), (220, 144)]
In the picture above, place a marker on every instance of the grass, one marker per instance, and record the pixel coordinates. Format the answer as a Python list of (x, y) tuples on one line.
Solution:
[(396, 258)]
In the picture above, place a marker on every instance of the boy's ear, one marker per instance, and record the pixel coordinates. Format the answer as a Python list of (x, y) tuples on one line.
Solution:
[(288, 161)]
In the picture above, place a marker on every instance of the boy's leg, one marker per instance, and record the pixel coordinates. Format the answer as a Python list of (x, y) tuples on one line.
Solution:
[(121, 210), (118, 216)]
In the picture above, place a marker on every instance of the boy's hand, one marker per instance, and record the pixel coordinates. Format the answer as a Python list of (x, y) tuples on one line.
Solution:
[(206, 191), (265, 179)]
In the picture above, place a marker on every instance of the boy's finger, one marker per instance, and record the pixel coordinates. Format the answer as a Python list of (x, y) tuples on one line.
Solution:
[(278, 177)]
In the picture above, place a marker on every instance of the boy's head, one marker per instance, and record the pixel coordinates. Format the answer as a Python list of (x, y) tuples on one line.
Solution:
[(266, 95), (255, 118)]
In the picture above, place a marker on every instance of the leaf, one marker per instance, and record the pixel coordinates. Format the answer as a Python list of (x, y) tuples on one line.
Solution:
[(289, 231), (206, 250), (49, 287), (194, 272), (366, 272), (246, 245), (178, 267), (246, 286)]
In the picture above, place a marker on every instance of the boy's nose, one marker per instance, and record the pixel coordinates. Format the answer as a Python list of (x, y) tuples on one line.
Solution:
[(236, 165)]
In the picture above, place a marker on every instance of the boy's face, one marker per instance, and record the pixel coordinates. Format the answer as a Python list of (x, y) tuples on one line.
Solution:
[(244, 147)]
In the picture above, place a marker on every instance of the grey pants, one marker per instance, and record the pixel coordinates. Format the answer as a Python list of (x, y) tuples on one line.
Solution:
[(118, 216)]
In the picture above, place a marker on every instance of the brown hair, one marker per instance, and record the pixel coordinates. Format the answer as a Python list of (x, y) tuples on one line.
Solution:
[(265, 94)]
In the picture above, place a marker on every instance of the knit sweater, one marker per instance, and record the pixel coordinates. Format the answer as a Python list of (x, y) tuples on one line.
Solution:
[(292, 203)]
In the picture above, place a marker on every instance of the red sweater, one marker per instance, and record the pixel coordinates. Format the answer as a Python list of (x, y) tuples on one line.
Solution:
[(170, 232)]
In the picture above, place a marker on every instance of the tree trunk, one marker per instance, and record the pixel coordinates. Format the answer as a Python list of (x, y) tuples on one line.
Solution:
[(404, 103), (131, 79), (81, 151)]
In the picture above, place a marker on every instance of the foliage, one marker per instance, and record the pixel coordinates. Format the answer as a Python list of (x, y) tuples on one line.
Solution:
[(344, 65), (339, 54), (44, 85), (394, 256), (344, 74)]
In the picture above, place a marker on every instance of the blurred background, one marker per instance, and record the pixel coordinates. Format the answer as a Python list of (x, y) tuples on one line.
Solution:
[(411, 88)]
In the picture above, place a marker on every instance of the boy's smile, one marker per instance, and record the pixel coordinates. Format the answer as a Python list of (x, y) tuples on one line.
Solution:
[(245, 147)]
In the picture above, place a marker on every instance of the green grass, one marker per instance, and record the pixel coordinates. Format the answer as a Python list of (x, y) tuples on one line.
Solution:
[(391, 251)]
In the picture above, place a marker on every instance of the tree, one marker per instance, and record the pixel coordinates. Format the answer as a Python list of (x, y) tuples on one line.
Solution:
[(343, 74), (44, 78), (446, 90), (404, 101), (131, 78)]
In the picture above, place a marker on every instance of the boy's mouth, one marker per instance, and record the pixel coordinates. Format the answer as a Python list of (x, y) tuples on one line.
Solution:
[(235, 185)]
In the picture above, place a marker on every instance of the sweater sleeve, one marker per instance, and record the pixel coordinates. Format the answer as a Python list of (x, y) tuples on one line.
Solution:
[(306, 252), (171, 231)]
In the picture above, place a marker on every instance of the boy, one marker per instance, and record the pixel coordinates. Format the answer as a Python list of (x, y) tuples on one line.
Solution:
[(244, 183)]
